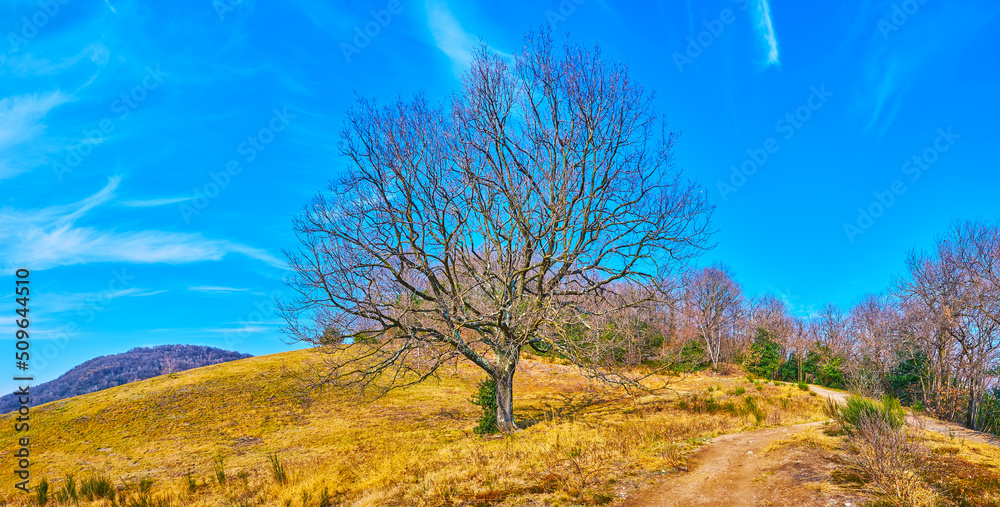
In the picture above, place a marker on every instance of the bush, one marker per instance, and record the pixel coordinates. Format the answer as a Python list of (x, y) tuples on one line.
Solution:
[(887, 459), (486, 397), (858, 409), (803, 386)]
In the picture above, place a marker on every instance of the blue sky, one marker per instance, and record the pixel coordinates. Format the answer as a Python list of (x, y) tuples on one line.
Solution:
[(153, 154)]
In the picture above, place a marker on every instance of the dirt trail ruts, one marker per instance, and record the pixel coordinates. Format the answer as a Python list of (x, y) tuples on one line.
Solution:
[(728, 470), (722, 473)]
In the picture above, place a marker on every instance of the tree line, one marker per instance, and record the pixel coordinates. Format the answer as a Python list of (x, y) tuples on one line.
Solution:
[(931, 338)]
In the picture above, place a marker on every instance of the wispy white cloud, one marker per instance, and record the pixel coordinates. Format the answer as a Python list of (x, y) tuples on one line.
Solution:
[(32, 65), (449, 36), (765, 31), (21, 120), (893, 66), (148, 203), (84, 301), (690, 15), (50, 237), (215, 289)]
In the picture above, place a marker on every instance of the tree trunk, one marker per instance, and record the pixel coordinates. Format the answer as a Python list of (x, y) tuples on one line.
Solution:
[(504, 378)]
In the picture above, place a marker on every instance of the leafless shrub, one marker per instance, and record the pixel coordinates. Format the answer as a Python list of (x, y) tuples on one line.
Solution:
[(889, 460)]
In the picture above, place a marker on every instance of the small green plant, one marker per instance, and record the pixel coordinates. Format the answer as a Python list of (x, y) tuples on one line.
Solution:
[(324, 498), (305, 497), (68, 492), (753, 409), (192, 483), (278, 469), (145, 485), (739, 391), (96, 488), (42, 492), (219, 465), (486, 397), (803, 386)]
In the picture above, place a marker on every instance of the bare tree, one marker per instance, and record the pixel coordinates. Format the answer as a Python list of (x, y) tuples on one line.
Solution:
[(832, 330), (874, 324), (520, 215), (952, 299), (797, 343), (977, 253), (768, 312), (714, 302)]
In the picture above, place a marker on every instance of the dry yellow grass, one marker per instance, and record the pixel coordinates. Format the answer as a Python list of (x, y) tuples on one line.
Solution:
[(581, 444), (945, 471)]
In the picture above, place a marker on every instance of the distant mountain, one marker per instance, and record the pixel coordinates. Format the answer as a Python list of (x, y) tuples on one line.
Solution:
[(110, 371)]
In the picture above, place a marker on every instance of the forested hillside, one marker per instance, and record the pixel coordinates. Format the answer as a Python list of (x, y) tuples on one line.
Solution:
[(137, 364)]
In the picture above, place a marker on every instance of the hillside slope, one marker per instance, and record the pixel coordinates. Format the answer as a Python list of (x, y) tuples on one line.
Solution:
[(114, 370), (581, 445)]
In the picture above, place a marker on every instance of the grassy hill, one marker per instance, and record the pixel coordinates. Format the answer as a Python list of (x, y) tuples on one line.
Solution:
[(159, 441), (104, 372)]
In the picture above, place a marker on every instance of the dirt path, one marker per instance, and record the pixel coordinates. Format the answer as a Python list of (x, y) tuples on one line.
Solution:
[(734, 471), (723, 473)]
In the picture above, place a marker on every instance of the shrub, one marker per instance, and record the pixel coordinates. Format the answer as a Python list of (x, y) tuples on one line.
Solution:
[(858, 409), (886, 458), (739, 391), (803, 386), (486, 398)]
